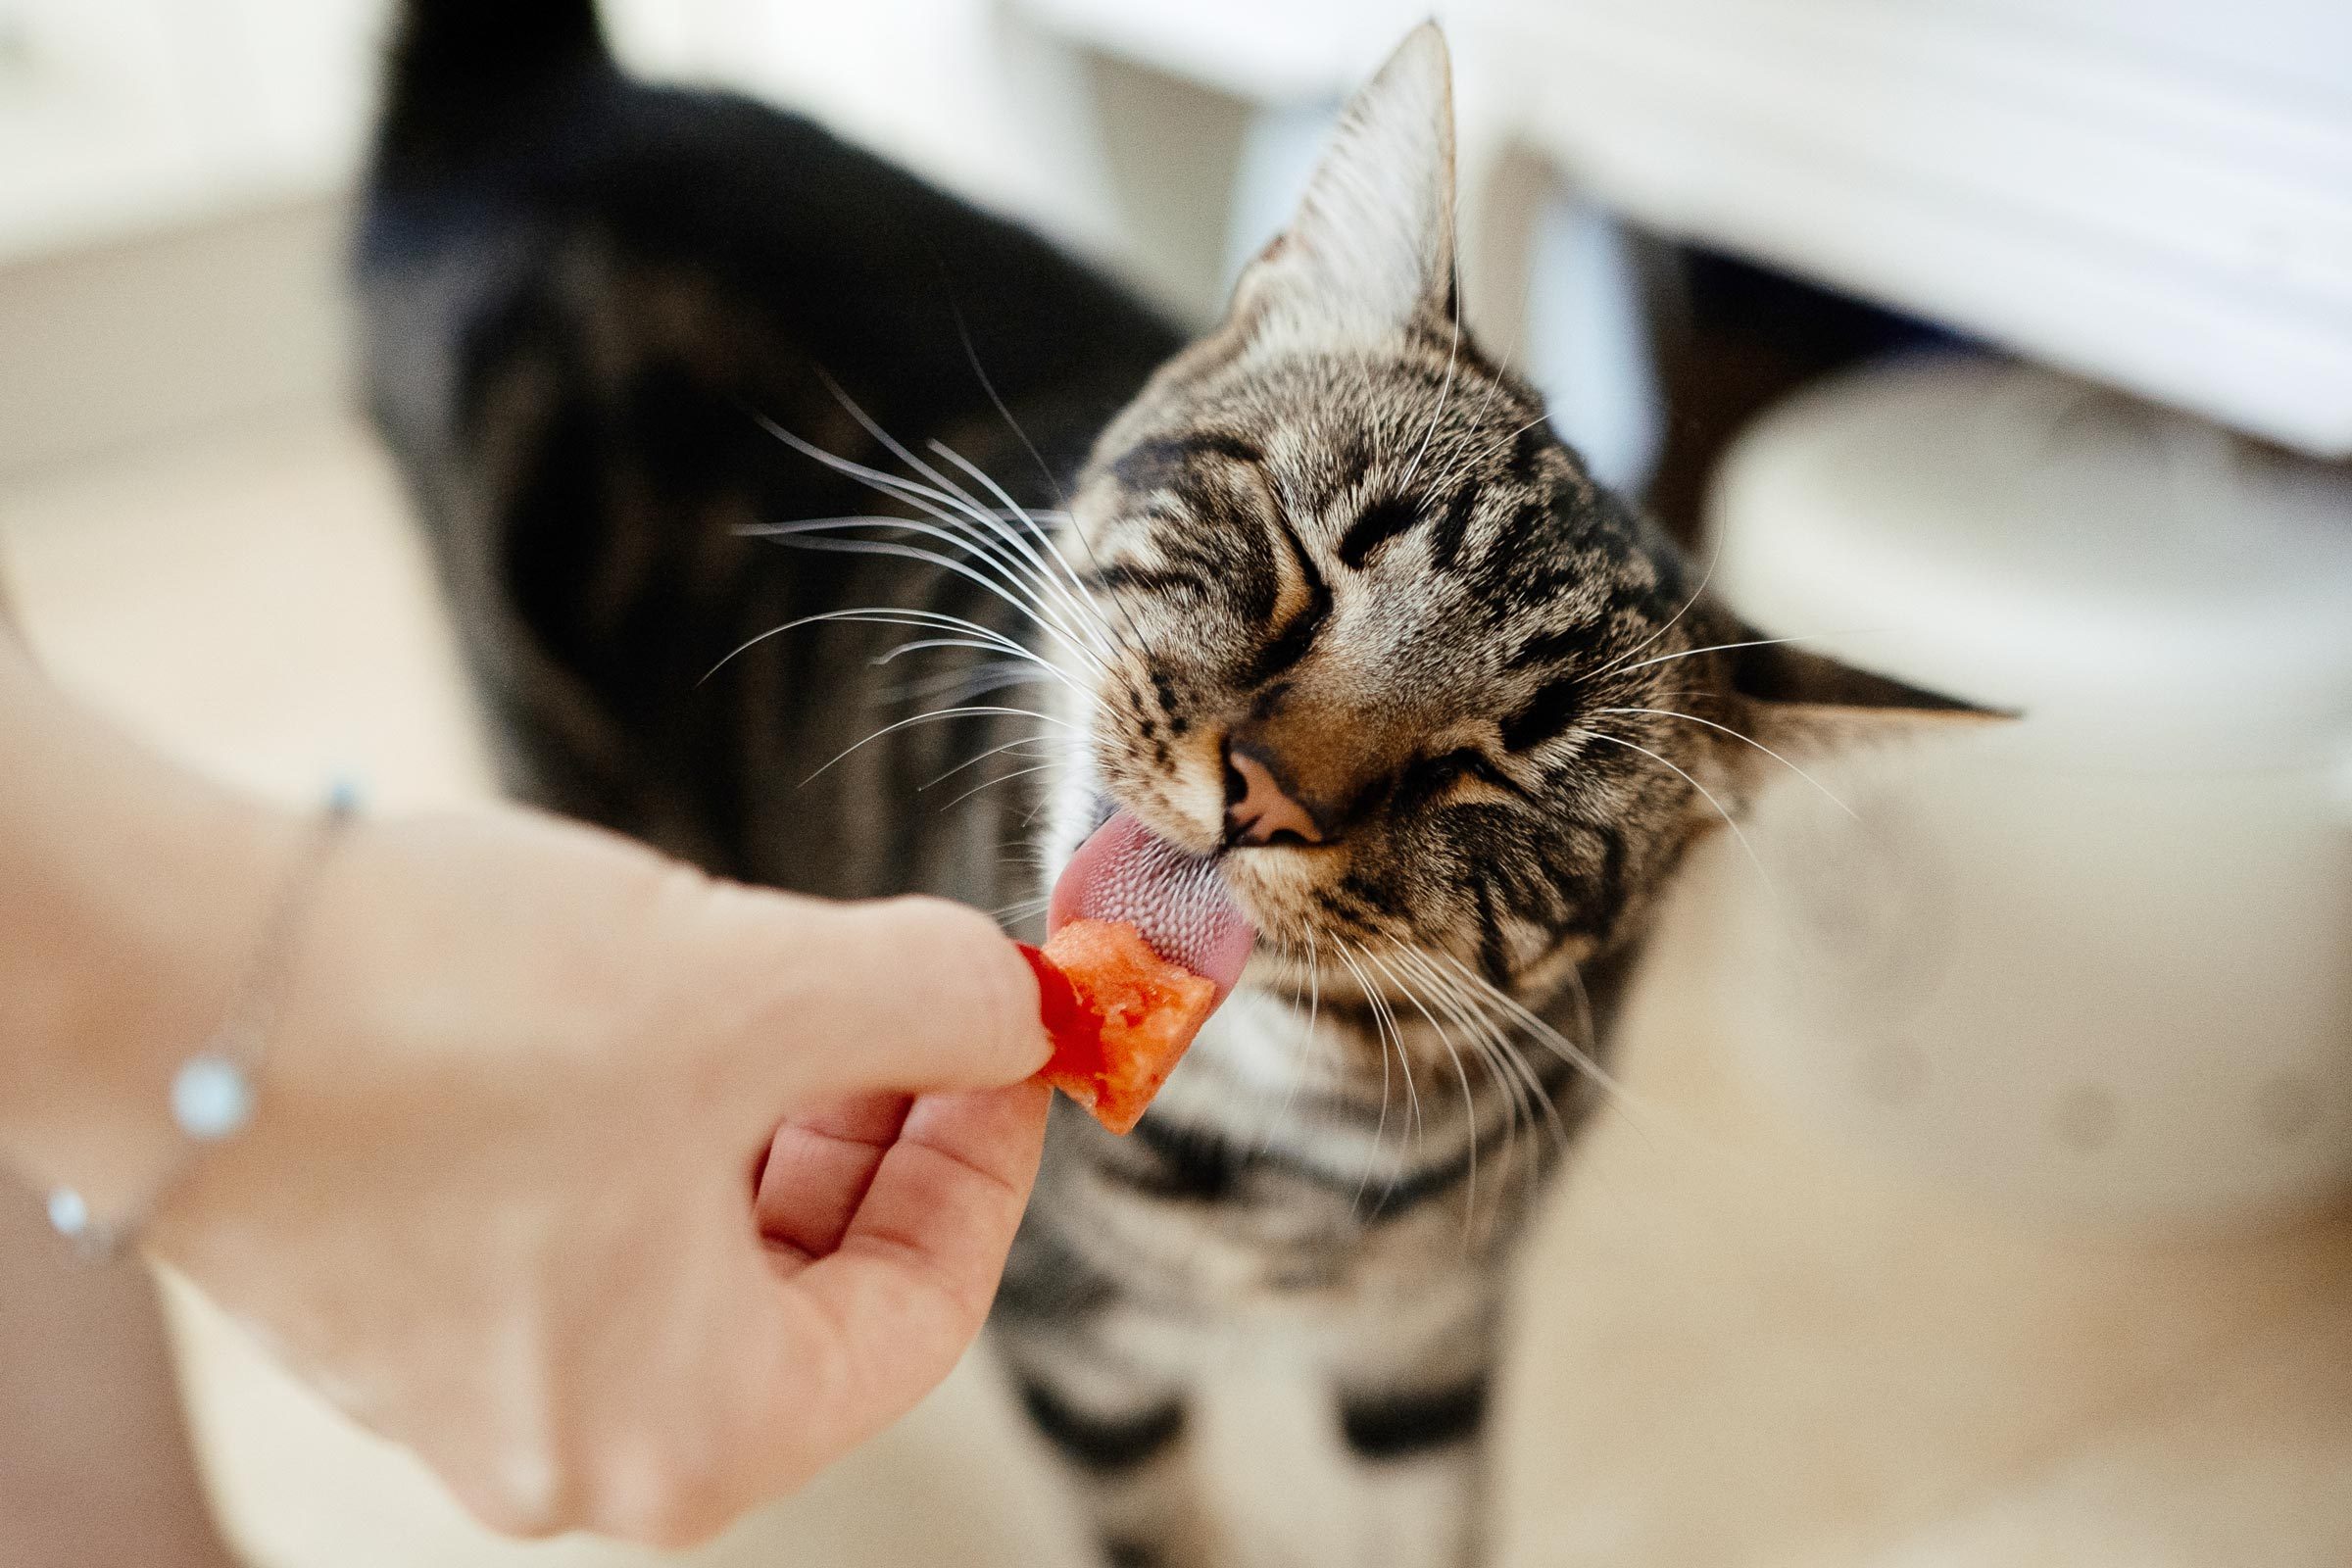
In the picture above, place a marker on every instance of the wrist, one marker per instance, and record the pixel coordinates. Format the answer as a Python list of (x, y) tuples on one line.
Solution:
[(135, 891)]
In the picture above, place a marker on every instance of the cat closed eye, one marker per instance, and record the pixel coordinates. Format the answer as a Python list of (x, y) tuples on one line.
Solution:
[(1434, 775)]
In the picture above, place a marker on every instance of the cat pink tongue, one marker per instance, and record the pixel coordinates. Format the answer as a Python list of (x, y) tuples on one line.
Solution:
[(1176, 900)]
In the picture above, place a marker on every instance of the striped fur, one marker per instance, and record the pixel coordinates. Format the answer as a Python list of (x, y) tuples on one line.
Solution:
[(615, 331)]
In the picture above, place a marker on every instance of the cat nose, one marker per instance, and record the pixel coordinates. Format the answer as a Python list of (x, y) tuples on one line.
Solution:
[(1257, 810)]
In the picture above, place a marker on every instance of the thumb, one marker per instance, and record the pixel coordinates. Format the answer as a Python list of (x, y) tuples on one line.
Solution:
[(912, 996)]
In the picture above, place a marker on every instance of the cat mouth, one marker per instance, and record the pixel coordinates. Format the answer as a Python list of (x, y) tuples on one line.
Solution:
[(1177, 902)]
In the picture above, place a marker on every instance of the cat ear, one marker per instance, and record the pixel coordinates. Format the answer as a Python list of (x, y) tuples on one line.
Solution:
[(1798, 702), (1372, 242)]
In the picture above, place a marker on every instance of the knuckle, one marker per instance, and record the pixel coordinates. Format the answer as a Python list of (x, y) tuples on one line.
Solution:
[(526, 1496), (670, 1501)]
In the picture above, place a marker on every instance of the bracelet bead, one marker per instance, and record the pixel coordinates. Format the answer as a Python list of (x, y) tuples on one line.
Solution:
[(213, 1093), (212, 1098), (68, 1213)]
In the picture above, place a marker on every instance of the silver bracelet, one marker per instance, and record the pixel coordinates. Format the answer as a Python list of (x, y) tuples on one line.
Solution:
[(214, 1091)]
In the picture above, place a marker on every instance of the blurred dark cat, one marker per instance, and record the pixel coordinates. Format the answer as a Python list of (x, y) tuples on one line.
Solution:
[(1317, 600)]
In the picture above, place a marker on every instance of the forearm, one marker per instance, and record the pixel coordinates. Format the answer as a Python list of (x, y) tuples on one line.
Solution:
[(129, 890)]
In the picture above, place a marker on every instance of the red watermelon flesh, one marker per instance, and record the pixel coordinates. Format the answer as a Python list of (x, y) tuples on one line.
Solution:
[(1147, 941), (1120, 1017)]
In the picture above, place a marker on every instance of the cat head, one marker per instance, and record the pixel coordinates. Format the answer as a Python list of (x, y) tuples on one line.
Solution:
[(1375, 639)]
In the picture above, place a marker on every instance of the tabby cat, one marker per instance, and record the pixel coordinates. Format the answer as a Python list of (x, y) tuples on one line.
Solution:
[(1318, 599)]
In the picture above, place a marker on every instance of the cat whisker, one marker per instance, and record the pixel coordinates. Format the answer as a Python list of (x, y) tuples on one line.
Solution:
[(1693, 653), (794, 535), (962, 686), (992, 675), (1503, 1058), (1494, 385), (974, 527), (1488, 1037), (1043, 670), (991, 783), (1405, 1064), (1477, 1032), (942, 484), (1079, 591), (1031, 863), (1524, 1100), (884, 616), (1014, 575), (1469, 1101), (1066, 586), (1507, 439), (971, 355), (1540, 1029), (1020, 910), (1010, 579), (1588, 1026), (1444, 396), (968, 711), (1307, 1049), (938, 505), (1709, 795), (1380, 1029), (975, 761), (1714, 555), (1453, 476), (939, 489), (1668, 712)]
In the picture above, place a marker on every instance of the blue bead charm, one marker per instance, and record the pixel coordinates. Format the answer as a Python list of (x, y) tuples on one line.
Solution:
[(213, 1093), (68, 1213), (211, 1099)]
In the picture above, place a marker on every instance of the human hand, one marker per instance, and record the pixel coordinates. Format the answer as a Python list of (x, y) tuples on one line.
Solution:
[(498, 1200)]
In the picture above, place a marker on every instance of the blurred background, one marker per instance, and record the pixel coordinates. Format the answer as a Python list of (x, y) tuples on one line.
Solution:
[(1979, 1199)]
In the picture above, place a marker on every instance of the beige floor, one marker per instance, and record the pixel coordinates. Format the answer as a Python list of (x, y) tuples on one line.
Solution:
[(1738, 1347)]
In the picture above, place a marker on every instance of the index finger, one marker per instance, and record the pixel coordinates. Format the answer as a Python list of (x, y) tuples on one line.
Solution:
[(910, 995)]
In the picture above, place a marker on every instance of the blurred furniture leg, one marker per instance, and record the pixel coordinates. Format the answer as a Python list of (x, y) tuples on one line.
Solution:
[(94, 1460)]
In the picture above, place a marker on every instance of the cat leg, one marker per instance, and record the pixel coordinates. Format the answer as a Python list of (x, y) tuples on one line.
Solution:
[(1369, 1454), (1415, 1469), (1269, 1460), (1120, 1437)]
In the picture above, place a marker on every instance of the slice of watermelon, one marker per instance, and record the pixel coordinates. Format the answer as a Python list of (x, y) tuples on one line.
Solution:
[(1119, 1015)]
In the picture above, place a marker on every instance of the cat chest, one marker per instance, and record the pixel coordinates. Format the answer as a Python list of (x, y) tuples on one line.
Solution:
[(1192, 1218)]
